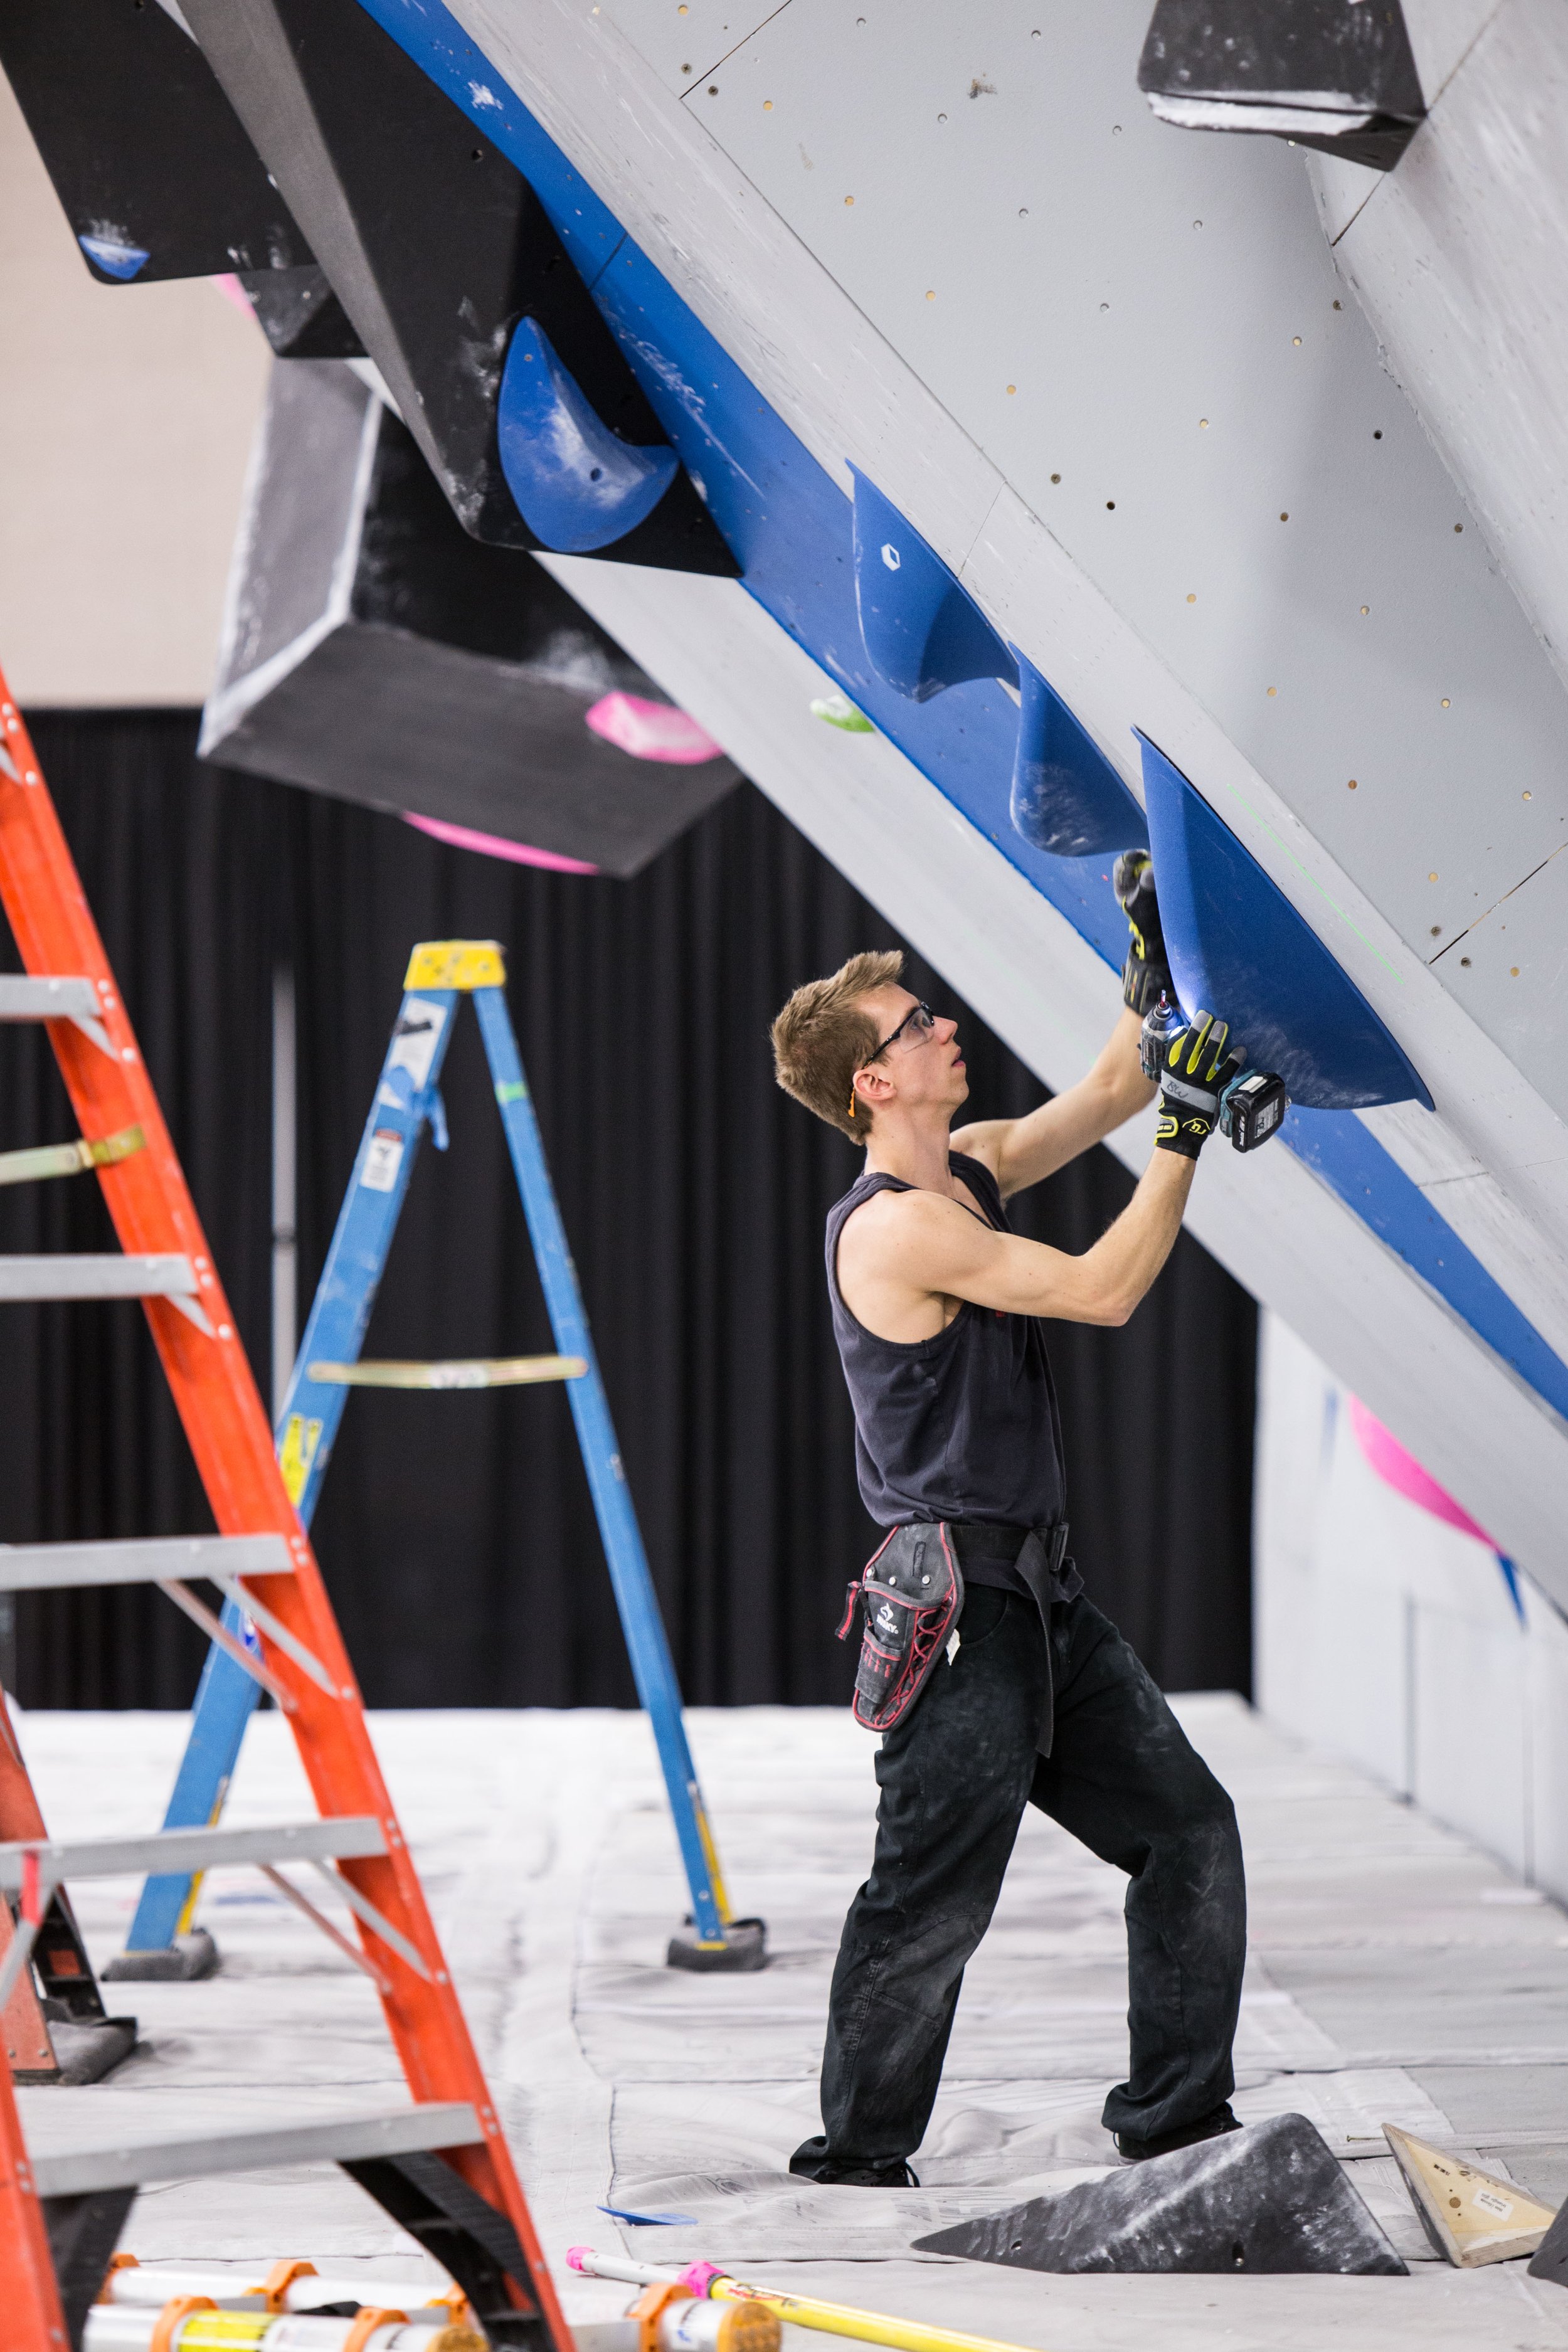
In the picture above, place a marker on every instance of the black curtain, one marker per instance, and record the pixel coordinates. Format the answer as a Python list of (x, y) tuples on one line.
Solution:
[(455, 1530)]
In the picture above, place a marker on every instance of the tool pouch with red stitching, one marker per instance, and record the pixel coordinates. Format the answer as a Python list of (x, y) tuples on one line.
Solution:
[(911, 1591)]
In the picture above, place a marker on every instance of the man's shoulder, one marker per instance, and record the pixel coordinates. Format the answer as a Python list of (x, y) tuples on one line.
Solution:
[(877, 1205), (886, 1218)]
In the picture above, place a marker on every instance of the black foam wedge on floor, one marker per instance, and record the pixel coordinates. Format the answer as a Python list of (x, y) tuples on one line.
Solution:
[(1270, 2198)]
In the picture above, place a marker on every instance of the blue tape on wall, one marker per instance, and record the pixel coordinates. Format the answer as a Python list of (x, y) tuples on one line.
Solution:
[(1350, 1160), (921, 631), (1066, 797), (577, 485), (1238, 949)]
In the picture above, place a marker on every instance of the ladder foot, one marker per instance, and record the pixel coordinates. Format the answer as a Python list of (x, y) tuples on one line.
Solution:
[(744, 1948), (89, 2047), (187, 1958)]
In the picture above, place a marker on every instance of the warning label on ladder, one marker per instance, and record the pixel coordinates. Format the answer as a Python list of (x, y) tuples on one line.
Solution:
[(383, 1161)]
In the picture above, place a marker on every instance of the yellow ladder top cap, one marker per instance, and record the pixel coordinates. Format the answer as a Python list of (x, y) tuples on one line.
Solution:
[(456, 963)]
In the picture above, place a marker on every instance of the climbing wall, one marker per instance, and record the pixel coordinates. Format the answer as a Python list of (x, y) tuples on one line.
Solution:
[(1108, 373), (1056, 440)]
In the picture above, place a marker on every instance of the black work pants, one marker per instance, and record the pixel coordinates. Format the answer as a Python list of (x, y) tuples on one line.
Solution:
[(956, 1776)]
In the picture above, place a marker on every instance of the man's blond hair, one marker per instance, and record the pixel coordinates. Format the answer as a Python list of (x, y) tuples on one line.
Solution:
[(824, 1035)]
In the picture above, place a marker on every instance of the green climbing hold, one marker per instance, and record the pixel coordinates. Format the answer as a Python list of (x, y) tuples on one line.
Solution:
[(839, 711)]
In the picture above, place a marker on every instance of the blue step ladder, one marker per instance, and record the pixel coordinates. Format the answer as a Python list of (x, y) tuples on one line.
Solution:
[(162, 1942)]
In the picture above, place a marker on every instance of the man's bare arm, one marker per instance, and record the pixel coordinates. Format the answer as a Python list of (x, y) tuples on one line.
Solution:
[(1021, 1151), (904, 1249)]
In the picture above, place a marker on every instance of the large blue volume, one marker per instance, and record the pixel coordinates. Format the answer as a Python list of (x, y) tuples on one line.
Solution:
[(577, 487), (407, 1096), (1238, 949), (921, 630), (1067, 798)]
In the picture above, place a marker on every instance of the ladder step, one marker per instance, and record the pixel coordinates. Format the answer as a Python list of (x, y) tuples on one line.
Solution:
[(135, 2157), (112, 1277), (144, 1559), (463, 1372), (339, 1837), (24, 998)]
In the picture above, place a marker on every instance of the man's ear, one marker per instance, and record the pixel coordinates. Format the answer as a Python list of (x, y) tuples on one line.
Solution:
[(872, 1085)]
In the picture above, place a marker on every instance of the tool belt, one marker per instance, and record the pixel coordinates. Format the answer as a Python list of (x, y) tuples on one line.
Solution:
[(911, 1591)]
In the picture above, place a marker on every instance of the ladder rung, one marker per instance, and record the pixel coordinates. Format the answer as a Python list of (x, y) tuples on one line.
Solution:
[(471, 1372), (144, 1560), (44, 1159), (58, 1275), (26, 998), (338, 1837), (135, 2158)]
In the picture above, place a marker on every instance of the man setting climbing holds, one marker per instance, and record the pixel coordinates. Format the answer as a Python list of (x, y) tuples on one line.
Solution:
[(992, 1678)]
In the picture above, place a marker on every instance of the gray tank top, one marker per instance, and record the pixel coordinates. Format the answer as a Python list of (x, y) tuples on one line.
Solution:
[(961, 1426)]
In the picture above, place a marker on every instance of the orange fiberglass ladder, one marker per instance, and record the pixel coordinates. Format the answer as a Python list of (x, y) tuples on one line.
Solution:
[(441, 2166)]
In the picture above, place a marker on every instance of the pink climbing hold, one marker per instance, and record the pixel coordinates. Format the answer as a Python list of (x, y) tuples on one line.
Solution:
[(492, 844), (229, 287), (652, 730), (1405, 1474)]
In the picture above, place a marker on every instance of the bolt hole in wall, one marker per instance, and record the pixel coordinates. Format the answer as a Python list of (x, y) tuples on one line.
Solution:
[(1397, 1637), (261, 931)]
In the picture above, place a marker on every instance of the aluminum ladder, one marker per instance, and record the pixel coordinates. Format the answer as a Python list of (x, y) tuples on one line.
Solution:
[(407, 1099)]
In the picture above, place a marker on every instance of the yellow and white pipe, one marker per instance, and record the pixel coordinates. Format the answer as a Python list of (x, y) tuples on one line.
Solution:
[(187, 2308), (193, 2324)]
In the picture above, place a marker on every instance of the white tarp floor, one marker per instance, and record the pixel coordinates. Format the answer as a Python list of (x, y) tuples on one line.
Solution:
[(1396, 1975)]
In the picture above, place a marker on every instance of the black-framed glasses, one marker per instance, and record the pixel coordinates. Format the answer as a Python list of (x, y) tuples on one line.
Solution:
[(919, 1017)]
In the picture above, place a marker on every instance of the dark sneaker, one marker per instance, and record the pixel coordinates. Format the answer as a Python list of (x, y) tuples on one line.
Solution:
[(811, 2161), (1136, 2151)]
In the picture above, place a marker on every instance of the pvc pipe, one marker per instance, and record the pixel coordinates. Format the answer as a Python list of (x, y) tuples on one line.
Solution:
[(746, 2326), (133, 2284), (805, 2311), (130, 2320), (115, 2327)]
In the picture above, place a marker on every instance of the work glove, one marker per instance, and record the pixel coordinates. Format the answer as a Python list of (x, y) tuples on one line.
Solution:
[(1199, 1064), (1146, 972)]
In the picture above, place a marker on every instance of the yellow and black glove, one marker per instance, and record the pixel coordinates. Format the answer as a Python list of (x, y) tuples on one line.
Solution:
[(1146, 974), (1197, 1069)]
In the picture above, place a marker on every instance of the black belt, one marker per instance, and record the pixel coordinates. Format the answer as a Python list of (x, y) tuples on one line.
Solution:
[(1036, 1562), (1050, 1572)]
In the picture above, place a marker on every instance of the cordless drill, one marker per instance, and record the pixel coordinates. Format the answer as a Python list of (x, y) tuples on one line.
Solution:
[(1251, 1105)]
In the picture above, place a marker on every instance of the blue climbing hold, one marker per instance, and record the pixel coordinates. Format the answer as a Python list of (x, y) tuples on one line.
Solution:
[(921, 631), (115, 256), (577, 487), (1068, 799), (1238, 949)]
